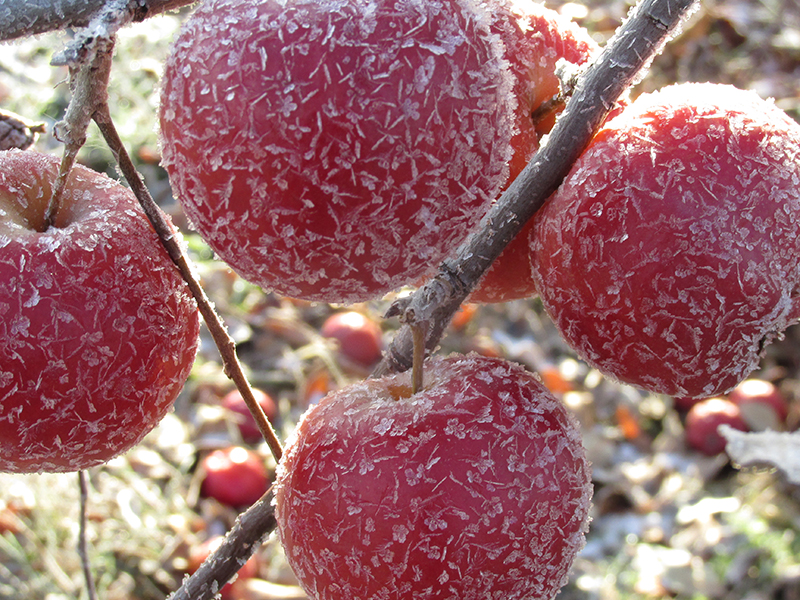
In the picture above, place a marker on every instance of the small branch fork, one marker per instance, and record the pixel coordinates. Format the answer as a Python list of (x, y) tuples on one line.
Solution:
[(429, 310)]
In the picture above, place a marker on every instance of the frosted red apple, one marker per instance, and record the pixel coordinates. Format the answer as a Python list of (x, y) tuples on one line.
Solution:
[(536, 38), (98, 332), (668, 258), (475, 487), (335, 151)]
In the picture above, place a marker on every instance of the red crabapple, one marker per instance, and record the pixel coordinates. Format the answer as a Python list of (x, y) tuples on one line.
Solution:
[(360, 338), (234, 476), (668, 258), (477, 486), (229, 591), (536, 38), (98, 332), (762, 404), (248, 428), (336, 151), (703, 420)]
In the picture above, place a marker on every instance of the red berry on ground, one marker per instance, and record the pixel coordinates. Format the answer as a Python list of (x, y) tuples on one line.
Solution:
[(360, 338), (248, 428), (475, 487), (234, 476), (761, 402), (703, 420)]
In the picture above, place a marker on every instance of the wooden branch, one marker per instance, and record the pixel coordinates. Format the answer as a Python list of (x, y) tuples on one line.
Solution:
[(622, 62), (21, 18), (250, 531)]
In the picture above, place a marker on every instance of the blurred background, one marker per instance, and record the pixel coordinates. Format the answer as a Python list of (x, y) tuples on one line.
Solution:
[(669, 520)]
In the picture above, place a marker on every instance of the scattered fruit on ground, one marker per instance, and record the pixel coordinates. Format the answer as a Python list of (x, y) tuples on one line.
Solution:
[(762, 404), (234, 476), (476, 486), (360, 338), (536, 38), (229, 591), (234, 402), (668, 258), (703, 420), (98, 331), (336, 151)]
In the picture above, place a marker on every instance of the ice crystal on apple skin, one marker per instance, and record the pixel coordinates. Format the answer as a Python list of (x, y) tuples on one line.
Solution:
[(98, 331), (668, 258), (476, 487), (336, 150)]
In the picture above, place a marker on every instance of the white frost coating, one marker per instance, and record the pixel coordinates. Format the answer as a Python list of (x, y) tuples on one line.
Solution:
[(669, 256), (375, 132), (499, 513), (98, 332)]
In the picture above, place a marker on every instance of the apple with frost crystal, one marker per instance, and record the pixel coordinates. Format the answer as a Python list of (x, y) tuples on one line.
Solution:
[(335, 151), (476, 486), (98, 331), (536, 38), (668, 258)]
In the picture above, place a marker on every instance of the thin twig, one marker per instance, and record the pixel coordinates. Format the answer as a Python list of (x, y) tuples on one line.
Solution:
[(225, 344), (251, 529), (627, 54), (83, 547)]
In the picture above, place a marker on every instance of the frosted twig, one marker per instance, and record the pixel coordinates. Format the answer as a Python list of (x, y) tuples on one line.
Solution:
[(251, 529), (20, 18), (89, 86), (623, 60), (225, 344)]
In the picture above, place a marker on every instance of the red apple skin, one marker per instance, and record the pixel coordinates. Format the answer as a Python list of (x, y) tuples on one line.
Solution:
[(98, 332), (234, 476), (248, 428), (757, 393), (703, 420), (536, 38), (336, 151), (475, 487), (360, 338), (668, 257)]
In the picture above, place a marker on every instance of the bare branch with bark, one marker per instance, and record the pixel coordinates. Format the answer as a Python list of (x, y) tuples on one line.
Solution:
[(623, 61), (21, 18)]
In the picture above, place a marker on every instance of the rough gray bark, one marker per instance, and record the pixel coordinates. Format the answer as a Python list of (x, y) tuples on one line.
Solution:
[(20, 18)]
